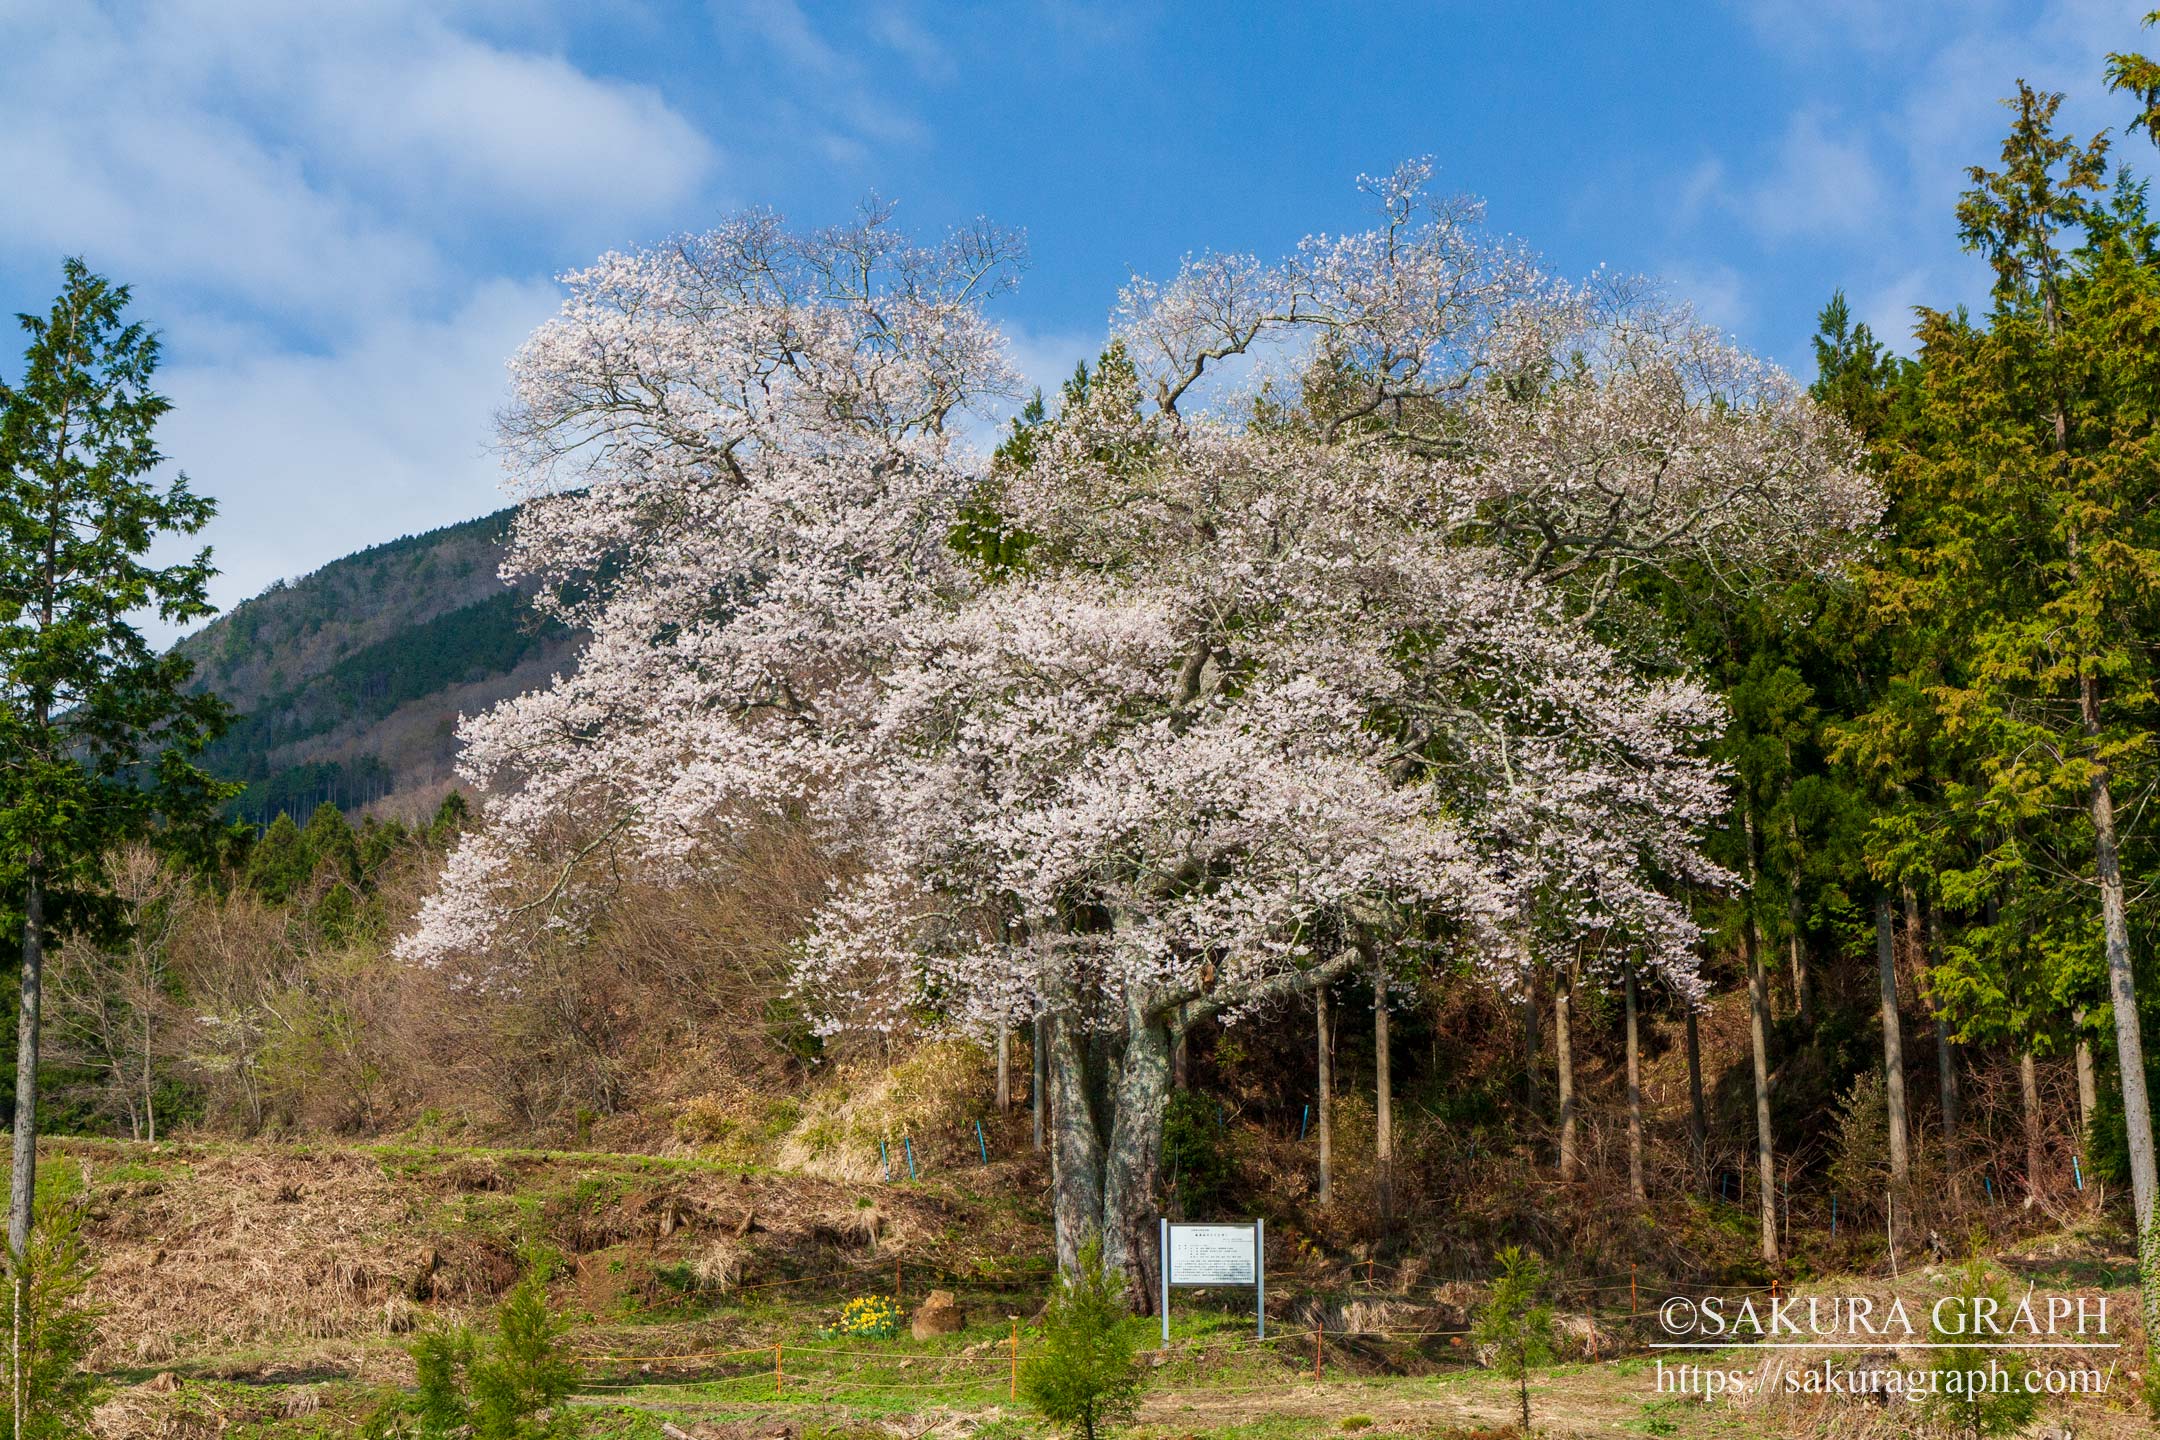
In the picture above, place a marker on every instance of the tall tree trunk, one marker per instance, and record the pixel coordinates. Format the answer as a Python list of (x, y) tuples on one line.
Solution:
[(1796, 916), (1759, 1038), (1134, 1156), (1004, 1069), (1920, 926), (1533, 1100), (1076, 1151), (1564, 1069), (22, 1185), (149, 1078), (1698, 1120), (1634, 1095), (1383, 1102), (1325, 1104), (1109, 1092), (1103, 1186), (2129, 1043), (1037, 1099), (1893, 1043), (2087, 1079), (2035, 1146)]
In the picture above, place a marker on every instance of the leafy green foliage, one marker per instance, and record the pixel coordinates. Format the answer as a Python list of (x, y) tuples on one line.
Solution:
[(60, 1327), (102, 736), (1860, 1160), (1082, 1379), (528, 1373), (1194, 1155), (1513, 1325), (1979, 1389), (509, 1385), (441, 1361)]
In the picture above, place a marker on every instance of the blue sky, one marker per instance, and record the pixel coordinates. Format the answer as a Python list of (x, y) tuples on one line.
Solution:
[(345, 216)]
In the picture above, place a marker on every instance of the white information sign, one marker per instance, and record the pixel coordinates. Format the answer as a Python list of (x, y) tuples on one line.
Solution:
[(1212, 1255), (1215, 1255)]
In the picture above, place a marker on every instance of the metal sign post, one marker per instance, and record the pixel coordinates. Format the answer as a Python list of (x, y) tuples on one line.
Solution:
[(1195, 1255)]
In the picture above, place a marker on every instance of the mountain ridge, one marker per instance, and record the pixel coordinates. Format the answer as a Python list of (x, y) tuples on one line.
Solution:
[(347, 683)]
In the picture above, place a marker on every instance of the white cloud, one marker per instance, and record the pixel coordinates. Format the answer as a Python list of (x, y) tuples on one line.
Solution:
[(1699, 190), (335, 214), (1860, 181), (1822, 183), (1873, 27), (307, 161), (1717, 291), (312, 456), (155, 184), (1046, 358), (1887, 309), (841, 102), (527, 135), (900, 33)]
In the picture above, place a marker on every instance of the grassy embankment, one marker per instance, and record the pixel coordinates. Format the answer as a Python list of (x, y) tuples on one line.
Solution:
[(271, 1291)]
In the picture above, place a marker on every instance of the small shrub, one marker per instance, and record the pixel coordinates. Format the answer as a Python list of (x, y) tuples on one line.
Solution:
[(1859, 1167), (1975, 1394), (1082, 1379), (866, 1317), (528, 1373), (1355, 1422), (509, 1387), (441, 1360), (1513, 1325), (704, 1120), (60, 1329)]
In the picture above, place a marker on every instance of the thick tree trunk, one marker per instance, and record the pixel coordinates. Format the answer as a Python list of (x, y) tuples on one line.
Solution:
[(1134, 1155), (2035, 1145), (1564, 1069), (1383, 1105), (1325, 1103), (22, 1184), (1634, 1096), (1893, 1043), (1698, 1120), (1076, 1152), (1104, 1190), (1759, 1038), (1108, 1095)]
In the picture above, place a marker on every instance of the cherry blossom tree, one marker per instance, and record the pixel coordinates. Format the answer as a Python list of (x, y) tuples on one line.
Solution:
[(735, 470), (1289, 654), (1247, 710)]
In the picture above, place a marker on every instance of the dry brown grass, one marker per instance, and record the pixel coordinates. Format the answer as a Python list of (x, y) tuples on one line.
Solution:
[(216, 1256), (223, 1259)]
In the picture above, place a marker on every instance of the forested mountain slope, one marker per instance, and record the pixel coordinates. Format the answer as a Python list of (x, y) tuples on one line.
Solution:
[(348, 682)]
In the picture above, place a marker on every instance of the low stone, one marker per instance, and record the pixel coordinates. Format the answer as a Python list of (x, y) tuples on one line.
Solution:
[(939, 1314)]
